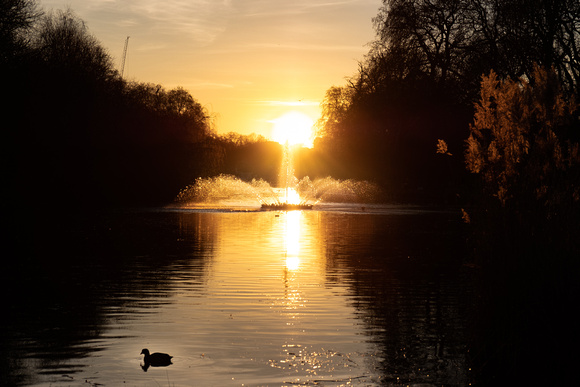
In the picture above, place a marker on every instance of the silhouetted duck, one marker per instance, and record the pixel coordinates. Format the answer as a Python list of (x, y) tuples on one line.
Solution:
[(156, 359)]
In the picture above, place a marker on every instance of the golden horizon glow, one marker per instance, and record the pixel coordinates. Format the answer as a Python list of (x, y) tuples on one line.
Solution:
[(294, 128)]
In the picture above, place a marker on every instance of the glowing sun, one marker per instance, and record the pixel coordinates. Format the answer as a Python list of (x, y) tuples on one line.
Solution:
[(294, 127)]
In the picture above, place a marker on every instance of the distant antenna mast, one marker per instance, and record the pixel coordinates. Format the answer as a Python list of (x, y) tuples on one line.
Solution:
[(124, 56)]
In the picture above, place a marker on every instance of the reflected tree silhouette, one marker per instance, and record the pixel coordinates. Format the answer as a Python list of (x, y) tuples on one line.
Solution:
[(120, 262), (412, 296)]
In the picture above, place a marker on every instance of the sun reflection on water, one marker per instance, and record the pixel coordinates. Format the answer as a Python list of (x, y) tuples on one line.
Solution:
[(268, 286), (292, 239), (292, 297), (292, 263)]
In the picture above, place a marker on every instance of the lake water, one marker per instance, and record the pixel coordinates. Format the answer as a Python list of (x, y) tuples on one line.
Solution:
[(337, 296)]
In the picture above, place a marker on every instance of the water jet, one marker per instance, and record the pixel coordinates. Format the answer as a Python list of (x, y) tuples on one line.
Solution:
[(230, 192)]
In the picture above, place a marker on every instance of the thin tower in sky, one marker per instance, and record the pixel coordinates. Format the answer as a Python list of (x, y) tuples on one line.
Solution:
[(124, 56)]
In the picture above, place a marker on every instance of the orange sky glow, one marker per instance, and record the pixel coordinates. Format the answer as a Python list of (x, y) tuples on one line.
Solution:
[(249, 62)]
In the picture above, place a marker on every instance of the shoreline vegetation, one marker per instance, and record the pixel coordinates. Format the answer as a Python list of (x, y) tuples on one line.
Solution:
[(465, 102)]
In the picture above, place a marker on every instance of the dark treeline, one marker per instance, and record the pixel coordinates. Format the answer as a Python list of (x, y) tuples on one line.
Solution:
[(78, 134), (251, 157), (421, 78)]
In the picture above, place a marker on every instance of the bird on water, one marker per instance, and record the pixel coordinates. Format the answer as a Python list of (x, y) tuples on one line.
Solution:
[(156, 359)]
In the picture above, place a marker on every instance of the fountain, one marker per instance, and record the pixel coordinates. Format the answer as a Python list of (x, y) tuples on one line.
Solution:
[(230, 192), (291, 200), (227, 191)]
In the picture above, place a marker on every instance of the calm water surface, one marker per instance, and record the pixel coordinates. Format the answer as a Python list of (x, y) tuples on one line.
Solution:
[(332, 297)]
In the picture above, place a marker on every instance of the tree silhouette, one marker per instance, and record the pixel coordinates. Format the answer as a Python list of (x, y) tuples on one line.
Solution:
[(16, 18)]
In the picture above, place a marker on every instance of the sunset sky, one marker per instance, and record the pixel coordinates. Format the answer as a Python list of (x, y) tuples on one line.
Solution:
[(247, 61)]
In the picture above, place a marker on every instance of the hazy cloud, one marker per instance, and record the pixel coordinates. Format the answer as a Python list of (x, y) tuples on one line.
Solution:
[(199, 21)]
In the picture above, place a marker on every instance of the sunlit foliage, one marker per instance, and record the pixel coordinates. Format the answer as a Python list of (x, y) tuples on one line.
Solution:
[(524, 141), (442, 148)]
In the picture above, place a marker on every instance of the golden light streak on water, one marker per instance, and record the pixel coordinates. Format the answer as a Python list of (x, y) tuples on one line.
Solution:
[(292, 234)]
